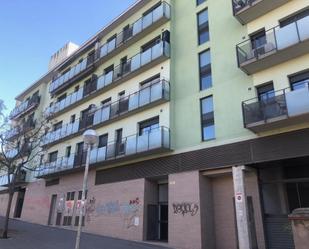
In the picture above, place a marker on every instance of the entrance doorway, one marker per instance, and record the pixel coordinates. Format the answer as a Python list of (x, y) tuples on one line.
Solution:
[(52, 208), (284, 187), (19, 203), (157, 213)]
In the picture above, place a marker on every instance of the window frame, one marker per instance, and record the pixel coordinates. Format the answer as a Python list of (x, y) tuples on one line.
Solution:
[(202, 27), (202, 121), (206, 68)]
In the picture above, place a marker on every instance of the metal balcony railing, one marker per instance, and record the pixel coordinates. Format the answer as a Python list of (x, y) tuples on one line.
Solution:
[(151, 94), (25, 106), (156, 140), (25, 127), (278, 106), (239, 5), (276, 39), (112, 77), (20, 178), (162, 11), (137, 27)]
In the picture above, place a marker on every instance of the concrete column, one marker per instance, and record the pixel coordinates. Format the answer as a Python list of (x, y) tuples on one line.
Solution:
[(242, 218)]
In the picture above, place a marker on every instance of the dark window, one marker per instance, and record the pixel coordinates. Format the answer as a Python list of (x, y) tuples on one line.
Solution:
[(205, 70), (58, 126), (294, 18), (67, 220), (265, 91), (52, 157), (109, 69), (150, 81), (62, 97), (80, 195), (150, 44), (203, 27), (103, 140), (148, 125), (70, 196), (208, 122), (91, 57), (51, 182), (198, 2), (299, 81), (106, 102), (72, 119), (127, 32), (77, 220), (258, 39), (79, 148), (76, 89), (68, 151)]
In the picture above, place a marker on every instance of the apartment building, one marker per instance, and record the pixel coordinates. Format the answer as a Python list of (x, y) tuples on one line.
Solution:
[(201, 108)]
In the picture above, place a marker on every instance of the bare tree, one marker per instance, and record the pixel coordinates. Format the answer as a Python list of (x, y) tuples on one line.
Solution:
[(20, 151)]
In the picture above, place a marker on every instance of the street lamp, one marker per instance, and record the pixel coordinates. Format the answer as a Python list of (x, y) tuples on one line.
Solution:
[(90, 138)]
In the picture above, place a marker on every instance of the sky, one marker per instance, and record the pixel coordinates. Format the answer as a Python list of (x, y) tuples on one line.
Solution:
[(32, 30)]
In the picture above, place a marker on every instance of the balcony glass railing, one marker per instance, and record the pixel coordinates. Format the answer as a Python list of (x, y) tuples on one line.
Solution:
[(24, 106), (159, 12), (276, 39), (28, 125), (163, 10), (132, 145), (155, 92), (60, 81), (120, 71), (281, 104)]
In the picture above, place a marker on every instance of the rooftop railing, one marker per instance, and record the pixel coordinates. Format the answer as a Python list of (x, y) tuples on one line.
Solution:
[(107, 80), (25, 106), (146, 96), (275, 40), (277, 106), (155, 140)]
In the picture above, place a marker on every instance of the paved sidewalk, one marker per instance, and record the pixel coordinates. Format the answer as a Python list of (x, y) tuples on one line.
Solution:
[(30, 236)]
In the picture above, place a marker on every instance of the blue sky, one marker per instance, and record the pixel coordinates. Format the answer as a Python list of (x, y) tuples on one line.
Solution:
[(32, 30)]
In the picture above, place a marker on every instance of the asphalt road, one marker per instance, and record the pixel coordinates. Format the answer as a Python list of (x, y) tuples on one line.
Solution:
[(30, 236)]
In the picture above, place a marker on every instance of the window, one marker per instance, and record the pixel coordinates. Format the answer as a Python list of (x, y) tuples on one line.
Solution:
[(150, 81), (265, 91), (80, 193), (198, 2), (205, 70), (103, 140), (70, 196), (258, 39), (76, 89), (72, 119), (58, 126), (299, 81), (106, 102), (148, 125), (203, 27), (208, 123), (68, 151), (52, 157), (300, 15), (62, 97), (150, 44)]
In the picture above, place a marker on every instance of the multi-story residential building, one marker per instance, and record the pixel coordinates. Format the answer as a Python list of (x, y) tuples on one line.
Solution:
[(201, 108)]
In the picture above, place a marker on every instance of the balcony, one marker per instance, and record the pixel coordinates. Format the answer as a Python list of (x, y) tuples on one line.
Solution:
[(21, 178), (281, 44), (284, 108), (155, 94), (248, 10), (17, 153), (18, 130), (135, 65), (77, 72), (136, 31), (131, 147), (25, 107)]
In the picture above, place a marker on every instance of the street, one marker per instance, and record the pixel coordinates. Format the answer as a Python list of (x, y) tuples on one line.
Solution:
[(30, 236)]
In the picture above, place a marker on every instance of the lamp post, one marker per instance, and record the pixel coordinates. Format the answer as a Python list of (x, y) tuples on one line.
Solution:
[(90, 138)]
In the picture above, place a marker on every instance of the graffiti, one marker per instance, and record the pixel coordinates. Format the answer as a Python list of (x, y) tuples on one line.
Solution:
[(185, 208), (90, 208), (127, 210)]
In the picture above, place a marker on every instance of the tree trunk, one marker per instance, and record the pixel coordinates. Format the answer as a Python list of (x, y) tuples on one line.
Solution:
[(7, 215)]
